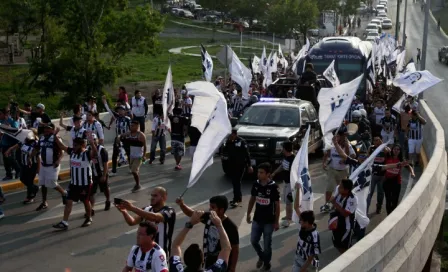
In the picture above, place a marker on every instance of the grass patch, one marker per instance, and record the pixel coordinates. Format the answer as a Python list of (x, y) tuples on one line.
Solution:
[(442, 14)]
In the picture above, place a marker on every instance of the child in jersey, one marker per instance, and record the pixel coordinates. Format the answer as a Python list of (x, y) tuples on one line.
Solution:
[(308, 245)]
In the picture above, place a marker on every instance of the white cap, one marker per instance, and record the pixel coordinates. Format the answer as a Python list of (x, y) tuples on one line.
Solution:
[(40, 106)]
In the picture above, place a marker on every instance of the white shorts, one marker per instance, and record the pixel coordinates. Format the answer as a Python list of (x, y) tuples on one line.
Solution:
[(414, 146), (387, 136), (48, 176)]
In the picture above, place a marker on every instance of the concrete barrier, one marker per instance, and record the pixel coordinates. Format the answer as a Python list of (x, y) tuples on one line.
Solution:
[(405, 239)]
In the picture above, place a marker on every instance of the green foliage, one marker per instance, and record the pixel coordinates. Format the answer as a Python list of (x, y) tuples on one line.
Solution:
[(84, 41)]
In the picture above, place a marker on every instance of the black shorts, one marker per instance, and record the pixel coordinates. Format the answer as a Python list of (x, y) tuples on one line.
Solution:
[(96, 183), (342, 238), (79, 193)]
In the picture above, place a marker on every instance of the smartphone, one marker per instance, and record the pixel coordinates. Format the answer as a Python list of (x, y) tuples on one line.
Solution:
[(118, 201)]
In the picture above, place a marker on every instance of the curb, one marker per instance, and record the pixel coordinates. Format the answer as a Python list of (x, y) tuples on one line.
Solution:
[(435, 21), (423, 158), (63, 174)]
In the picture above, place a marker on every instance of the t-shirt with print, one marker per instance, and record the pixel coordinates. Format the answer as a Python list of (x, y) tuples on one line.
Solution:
[(177, 266), (152, 261), (212, 246), (351, 204), (286, 165), (265, 198)]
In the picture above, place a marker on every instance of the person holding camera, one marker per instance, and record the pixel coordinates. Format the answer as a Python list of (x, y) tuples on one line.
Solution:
[(158, 212)]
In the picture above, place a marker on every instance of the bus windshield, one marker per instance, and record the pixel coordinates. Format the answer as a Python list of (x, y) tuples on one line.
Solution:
[(347, 71)]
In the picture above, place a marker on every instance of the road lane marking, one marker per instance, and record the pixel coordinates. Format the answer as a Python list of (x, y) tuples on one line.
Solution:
[(180, 213)]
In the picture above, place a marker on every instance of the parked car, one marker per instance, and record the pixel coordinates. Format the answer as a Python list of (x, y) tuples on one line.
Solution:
[(387, 23), (443, 54), (272, 121), (381, 16), (372, 27)]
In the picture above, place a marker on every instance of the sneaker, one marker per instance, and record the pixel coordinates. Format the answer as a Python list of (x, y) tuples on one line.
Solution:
[(284, 218), (266, 267), (286, 223), (64, 198), (61, 226), (178, 167), (93, 213), (42, 206), (325, 208), (28, 201), (7, 178), (2, 215), (87, 222), (136, 188), (112, 174), (107, 205), (259, 263)]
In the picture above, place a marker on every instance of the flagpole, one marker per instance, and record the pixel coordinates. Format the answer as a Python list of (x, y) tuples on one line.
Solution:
[(227, 65), (186, 189)]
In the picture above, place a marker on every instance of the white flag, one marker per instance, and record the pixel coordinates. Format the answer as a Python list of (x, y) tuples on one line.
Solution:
[(335, 102), (216, 130), (207, 64), (416, 82), (256, 65), (330, 75), (268, 76), (361, 178), (280, 52), (300, 174), (263, 66), (240, 74), (397, 106), (400, 60), (168, 98), (17, 133)]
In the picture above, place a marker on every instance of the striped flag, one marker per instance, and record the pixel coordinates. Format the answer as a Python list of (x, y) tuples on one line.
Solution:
[(207, 64), (17, 133)]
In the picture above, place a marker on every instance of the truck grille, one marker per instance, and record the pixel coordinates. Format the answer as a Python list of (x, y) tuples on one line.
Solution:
[(258, 146)]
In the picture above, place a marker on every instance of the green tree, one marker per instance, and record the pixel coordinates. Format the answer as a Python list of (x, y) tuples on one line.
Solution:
[(85, 41), (279, 19), (307, 15)]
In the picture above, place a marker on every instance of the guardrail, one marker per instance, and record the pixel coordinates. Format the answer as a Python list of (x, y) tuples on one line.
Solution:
[(405, 239)]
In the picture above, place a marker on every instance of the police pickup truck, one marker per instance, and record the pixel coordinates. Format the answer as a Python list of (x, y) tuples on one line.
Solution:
[(270, 122)]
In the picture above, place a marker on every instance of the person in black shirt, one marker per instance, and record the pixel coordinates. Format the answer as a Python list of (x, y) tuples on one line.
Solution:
[(179, 125), (157, 107), (211, 247), (265, 194), (194, 134), (309, 76), (285, 174), (39, 113), (193, 256), (239, 160)]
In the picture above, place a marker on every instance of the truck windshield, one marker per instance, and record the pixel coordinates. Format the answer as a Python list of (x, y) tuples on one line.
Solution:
[(271, 116)]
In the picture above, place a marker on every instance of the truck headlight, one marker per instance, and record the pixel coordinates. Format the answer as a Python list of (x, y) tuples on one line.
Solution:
[(278, 147), (261, 145)]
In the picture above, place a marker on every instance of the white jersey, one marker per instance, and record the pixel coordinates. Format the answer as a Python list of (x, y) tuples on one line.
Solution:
[(151, 261), (138, 106), (379, 114), (336, 159)]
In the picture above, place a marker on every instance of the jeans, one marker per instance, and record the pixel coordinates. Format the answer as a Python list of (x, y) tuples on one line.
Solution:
[(236, 176), (377, 181), (10, 162), (258, 229), (392, 193), (299, 263), (161, 140), (141, 120)]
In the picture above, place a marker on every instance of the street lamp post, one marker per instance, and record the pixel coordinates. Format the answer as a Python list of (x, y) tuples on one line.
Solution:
[(404, 23), (397, 23), (425, 39)]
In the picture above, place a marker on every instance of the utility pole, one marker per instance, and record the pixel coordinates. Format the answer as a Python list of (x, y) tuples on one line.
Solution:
[(397, 23), (425, 39), (404, 23)]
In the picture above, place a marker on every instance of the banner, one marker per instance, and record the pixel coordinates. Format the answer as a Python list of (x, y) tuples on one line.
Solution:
[(416, 82), (300, 174), (216, 129), (335, 102), (240, 74), (207, 64), (263, 65), (330, 75), (168, 98), (361, 178)]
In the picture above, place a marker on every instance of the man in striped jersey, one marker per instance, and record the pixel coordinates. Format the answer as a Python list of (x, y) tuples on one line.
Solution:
[(187, 103), (122, 126), (139, 109), (158, 212), (308, 245), (100, 176), (158, 137), (80, 178), (50, 158), (29, 165), (415, 136), (91, 124), (146, 255), (135, 140), (76, 131)]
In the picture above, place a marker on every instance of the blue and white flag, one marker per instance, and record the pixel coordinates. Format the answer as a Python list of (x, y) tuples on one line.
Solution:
[(263, 64), (335, 102), (362, 177), (168, 98), (207, 64), (300, 175), (330, 75)]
